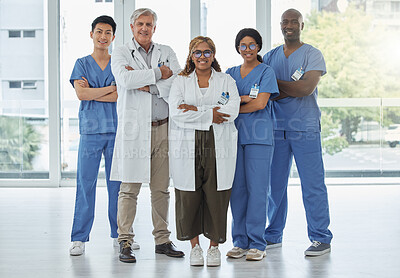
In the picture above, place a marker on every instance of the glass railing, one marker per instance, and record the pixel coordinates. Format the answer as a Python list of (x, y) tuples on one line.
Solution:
[(361, 138)]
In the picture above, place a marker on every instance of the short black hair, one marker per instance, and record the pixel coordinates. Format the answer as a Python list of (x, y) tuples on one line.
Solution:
[(249, 32), (105, 19)]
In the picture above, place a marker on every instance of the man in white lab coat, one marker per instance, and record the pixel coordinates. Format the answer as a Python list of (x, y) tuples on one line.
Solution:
[(143, 71)]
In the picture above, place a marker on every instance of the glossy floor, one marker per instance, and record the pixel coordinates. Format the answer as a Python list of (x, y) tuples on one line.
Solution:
[(35, 227)]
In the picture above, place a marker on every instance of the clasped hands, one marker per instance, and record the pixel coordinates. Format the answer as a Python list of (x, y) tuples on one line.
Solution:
[(218, 117)]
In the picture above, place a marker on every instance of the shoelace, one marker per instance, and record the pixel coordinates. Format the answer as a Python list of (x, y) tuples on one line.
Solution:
[(76, 244), (214, 251), (316, 243), (127, 244), (197, 251), (253, 250)]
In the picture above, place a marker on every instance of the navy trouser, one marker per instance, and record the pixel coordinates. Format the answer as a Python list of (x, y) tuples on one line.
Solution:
[(306, 149), (91, 147), (249, 196)]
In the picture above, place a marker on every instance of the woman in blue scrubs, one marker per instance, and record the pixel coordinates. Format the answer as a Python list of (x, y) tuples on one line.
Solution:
[(95, 87), (256, 83)]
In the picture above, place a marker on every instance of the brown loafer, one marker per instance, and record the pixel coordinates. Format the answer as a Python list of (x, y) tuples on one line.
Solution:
[(169, 249), (126, 254)]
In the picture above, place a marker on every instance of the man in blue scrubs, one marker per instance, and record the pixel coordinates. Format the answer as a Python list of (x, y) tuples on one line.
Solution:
[(298, 68), (95, 88)]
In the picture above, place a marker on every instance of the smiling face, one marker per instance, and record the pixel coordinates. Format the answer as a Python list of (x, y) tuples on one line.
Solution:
[(202, 62), (102, 35), (143, 30), (291, 26), (248, 49)]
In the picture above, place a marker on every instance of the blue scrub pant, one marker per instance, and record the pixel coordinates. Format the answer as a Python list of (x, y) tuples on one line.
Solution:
[(249, 196), (306, 149), (91, 147)]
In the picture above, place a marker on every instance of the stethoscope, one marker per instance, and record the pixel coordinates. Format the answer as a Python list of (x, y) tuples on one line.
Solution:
[(160, 63)]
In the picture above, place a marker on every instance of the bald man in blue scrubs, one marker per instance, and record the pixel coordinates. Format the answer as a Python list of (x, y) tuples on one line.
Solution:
[(298, 68)]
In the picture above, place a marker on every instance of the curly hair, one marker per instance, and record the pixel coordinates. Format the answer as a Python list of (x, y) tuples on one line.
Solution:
[(190, 67)]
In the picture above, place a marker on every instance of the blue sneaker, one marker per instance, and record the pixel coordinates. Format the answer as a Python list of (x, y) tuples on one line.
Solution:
[(317, 249)]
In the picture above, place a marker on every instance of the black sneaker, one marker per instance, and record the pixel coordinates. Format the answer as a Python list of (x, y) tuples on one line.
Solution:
[(271, 245), (317, 249)]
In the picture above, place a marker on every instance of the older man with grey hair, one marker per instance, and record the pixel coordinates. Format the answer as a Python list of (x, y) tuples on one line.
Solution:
[(144, 71)]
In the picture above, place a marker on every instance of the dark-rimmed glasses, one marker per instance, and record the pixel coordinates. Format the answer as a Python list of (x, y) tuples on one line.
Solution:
[(198, 53), (252, 46)]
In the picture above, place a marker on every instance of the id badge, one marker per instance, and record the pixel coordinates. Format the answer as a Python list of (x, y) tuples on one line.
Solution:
[(161, 63), (254, 91), (298, 74), (224, 98)]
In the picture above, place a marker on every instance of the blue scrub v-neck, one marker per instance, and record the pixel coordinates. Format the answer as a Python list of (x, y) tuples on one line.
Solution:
[(255, 127), (94, 116)]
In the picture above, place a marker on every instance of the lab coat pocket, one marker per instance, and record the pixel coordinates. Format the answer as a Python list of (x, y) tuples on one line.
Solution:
[(130, 125), (88, 122)]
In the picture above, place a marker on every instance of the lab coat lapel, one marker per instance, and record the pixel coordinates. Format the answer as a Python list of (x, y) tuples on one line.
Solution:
[(211, 87), (155, 57), (137, 57)]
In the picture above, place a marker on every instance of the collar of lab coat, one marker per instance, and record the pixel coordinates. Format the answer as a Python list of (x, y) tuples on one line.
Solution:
[(194, 75), (131, 44)]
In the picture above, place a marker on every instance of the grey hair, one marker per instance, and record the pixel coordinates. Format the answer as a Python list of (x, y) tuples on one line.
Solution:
[(143, 11)]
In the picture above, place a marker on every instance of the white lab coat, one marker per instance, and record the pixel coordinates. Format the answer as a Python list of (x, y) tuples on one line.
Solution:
[(184, 124), (132, 150)]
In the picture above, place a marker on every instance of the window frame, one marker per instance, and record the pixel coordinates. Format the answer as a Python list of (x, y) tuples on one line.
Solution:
[(14, 37), (122, 12)]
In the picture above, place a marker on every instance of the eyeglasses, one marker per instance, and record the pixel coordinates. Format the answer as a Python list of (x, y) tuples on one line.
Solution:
[(198, 53), (252, 46)]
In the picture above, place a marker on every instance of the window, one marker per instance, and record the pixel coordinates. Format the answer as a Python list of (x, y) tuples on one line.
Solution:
[(109, 1), (76, 43), (24, 116), (29, 85), (215, 25), (173, 24), (379, 6), (14, 33), (29, 33), (395, 7), (15, 84)]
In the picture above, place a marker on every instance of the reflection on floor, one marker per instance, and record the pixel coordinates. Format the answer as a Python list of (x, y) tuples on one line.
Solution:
[(36, 223)]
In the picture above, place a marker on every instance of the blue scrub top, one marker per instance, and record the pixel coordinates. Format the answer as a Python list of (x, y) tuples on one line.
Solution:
[(95, 116), (255, 127), (301, 113)]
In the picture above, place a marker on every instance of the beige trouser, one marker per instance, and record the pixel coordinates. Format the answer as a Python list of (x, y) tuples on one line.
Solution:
[(159, 182)]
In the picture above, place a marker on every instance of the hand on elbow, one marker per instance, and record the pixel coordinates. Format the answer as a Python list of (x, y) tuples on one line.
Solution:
[(218, 117), (187, 107), (166, 72)]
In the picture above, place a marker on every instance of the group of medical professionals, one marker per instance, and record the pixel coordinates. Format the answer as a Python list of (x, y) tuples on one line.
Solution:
[(223, 139)]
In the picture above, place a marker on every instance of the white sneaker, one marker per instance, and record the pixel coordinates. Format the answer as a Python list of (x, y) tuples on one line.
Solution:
[(213, 256), (134, 246), (115, 242), (77, 248), (237, 252), (255, 255), (196, 256)]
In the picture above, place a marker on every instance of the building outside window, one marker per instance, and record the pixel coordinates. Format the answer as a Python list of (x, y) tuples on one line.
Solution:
[(14, 33)]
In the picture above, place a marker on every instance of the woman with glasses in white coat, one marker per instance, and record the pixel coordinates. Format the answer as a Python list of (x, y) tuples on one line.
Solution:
[(203, 103)]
